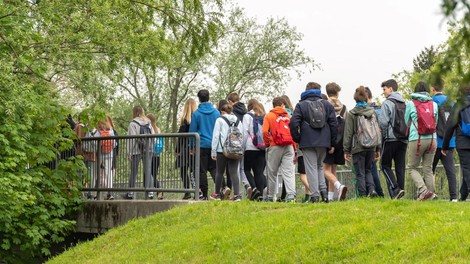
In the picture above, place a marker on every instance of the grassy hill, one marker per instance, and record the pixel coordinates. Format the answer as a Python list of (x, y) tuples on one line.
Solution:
[(355, 231)]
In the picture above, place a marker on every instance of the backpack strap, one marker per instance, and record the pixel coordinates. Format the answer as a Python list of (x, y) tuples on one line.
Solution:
[(342, 111)]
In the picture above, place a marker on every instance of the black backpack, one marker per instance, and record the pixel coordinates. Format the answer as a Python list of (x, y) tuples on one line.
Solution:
[(144, 130), (443, 112), (340, 127), (400, 128), (316, 114)]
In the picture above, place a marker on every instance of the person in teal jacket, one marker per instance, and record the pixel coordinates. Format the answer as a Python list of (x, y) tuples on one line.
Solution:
[(421, 148)]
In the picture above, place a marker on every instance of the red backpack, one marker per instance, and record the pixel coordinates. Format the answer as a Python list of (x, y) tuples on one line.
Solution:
[(426, 120), (280, 133), (106, 145)]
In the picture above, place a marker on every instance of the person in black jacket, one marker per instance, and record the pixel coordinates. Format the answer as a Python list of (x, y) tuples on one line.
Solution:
[(462, 142)]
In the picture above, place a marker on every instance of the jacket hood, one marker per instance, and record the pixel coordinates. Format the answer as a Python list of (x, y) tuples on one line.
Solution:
[(141, 120), (231, 117), (396, 96), (310, 93), (278, 111), (337, 105), (206, 108), (239, 108), (440, 99), (363, 110), (421, 96)]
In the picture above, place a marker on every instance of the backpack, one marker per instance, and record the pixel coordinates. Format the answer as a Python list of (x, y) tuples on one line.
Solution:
[(106, 144), (257, 137), (465, 121), (426, 119), (443, 113), (90, 145), (158, 145), (280, 132), (400, 128), (368, 131), (233, 145), (316, 113), (144, 130), (340, 127)]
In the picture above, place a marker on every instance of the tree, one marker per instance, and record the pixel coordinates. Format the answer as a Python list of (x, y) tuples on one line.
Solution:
[(425, 60)]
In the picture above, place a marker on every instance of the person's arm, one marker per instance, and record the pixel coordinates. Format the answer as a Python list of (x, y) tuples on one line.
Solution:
[(247, 128), (333, 123), (348, 134), (215, 137), (266, 129), (451, 125), (386, 113), (295, 122)]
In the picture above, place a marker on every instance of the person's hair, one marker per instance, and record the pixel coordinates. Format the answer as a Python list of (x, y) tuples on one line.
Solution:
[(109, 119), (233, 97), (277, 101), (251, 103), (312, 85), (203, 95), (421, 87), (258, 108), (287, 102), (103, 125), (221, 104), (360, 95), (227, 108), (438, 84), (189, 107), (332, 89), (369, 93), (390, 83), (153, 122), (324, 96), (138, 111)]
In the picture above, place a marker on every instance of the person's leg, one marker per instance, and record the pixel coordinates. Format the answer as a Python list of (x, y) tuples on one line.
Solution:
[(321, 153), (464, 155), (399, 157), (414, 159), (273, 160), (386, 167), (449, 166), (437, 156), (287, 169), (219, 176), (311, 169), (359, 165), (233, 166), (205, 156), (368, 160), (249, 163), (376, 178), (427, 159)]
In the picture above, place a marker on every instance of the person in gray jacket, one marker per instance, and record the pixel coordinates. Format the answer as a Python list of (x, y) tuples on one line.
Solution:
[(394, 142), (136, 152)]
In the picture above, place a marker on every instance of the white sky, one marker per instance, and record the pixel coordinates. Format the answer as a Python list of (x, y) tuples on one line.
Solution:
[(360, 42)]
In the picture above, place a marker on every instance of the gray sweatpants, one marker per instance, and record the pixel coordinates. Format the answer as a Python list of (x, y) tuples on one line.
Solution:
[(313, 160), (280, 159)]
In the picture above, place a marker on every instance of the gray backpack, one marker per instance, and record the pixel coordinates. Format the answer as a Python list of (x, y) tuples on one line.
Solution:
[(233, 146), (316, 113), (368, 132)]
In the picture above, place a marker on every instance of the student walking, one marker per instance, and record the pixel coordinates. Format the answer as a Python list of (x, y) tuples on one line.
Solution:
[(395, 139), (421, 114), (362, 141), (458, 125), (157, 144), (314, 127)]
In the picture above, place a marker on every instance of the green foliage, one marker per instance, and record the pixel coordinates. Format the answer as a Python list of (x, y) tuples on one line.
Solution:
[(355, 231), (425, 60)]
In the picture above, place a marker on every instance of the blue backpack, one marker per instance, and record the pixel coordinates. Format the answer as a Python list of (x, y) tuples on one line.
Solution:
[(465, 121), (158, 145)]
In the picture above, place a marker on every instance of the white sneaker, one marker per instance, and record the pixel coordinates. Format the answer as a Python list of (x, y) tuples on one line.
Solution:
[(342, 192), (454, 200), (150, 195)]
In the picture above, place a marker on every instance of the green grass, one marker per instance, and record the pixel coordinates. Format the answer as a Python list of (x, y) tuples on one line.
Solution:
[(355, 231)]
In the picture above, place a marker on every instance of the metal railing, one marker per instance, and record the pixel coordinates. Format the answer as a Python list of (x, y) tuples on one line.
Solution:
[(140, 167)]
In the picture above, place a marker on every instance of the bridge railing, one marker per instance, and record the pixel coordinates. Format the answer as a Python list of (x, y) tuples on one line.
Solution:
[(139, 167)]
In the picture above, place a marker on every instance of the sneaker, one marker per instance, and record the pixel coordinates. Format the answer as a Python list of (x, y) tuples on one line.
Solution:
[(129, 196), (454, 200), (290, 198), (255, 195), (399, 195), (249, 192), (373, 194), (203, 198), (187, 196), (213, 196), (434, 197), (236, 198), (268, 199), (226, 192), (306, 198), (342, 192), (314, 199), (425, 195), (159, 196), (150, 195), (111, 197)]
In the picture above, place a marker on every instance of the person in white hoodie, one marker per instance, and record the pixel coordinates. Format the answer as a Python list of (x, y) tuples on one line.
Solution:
[(136, 152), (219, 135)]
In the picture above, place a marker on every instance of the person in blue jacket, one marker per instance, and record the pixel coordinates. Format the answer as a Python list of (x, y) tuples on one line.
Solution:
[(203, 122)]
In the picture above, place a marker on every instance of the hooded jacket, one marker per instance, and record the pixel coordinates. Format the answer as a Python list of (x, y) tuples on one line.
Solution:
[(203, 121), (440, 99), (134, 129), (453, 125), (270, 121), (303, 133), (239, 109), (248, 131), (387, 117), (350, 145), (220, 132), (411, 114)]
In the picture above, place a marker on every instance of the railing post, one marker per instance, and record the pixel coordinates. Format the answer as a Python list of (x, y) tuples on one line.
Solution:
[(197, 165)]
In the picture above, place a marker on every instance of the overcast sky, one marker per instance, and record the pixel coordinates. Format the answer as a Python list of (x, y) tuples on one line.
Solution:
[(360, 42)]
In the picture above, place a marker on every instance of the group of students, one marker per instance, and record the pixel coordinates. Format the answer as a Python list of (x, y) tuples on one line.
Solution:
[(320, 133)]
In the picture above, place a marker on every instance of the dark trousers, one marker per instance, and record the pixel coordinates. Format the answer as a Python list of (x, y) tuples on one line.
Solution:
[(449, 166), (363, 163), (207, 165), (255, 161), (154, 170), (396, 151), (231, 165), (464, 156), (375, 176)]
